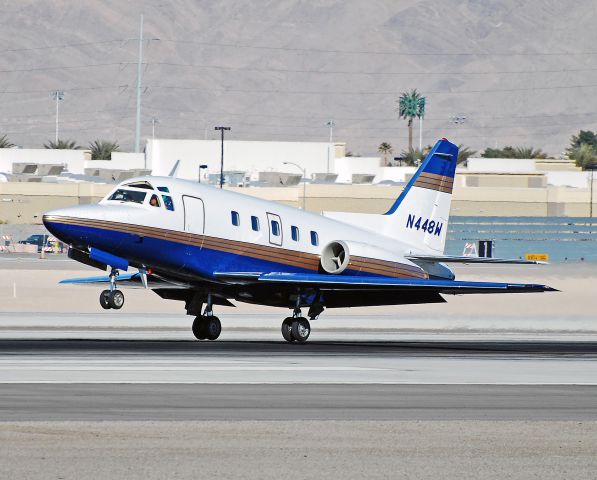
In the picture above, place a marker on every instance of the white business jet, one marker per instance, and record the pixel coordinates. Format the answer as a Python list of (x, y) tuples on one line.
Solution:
[(205, 246)]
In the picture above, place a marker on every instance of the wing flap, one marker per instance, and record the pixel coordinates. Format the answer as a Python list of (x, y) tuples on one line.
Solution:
[(457, 259), (127, 280), (367, 283)]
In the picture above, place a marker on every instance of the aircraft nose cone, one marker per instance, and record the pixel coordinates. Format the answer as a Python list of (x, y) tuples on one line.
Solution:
[(69, 224)]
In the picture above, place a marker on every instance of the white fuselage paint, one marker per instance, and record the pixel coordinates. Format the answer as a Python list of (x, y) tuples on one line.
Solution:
[(385, 244)]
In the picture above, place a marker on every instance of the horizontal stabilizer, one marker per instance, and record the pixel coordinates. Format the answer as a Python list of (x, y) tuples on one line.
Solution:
[(367, 283), (456, 259)]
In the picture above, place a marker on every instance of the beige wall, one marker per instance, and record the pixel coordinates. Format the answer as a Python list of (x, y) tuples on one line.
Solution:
[(26, 202)]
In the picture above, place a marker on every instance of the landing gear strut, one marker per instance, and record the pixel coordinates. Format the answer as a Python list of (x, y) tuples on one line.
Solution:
[(296, 328), (207, 326), (112, 298)]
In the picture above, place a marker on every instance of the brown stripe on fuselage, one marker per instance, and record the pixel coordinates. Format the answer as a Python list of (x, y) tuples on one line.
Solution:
[(390, 269), (305, 260)]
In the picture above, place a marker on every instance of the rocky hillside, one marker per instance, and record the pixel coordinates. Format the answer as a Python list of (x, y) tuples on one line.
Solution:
[(521, 72)]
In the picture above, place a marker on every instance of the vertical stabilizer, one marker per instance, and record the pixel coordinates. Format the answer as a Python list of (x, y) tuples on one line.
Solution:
[(419, 217)]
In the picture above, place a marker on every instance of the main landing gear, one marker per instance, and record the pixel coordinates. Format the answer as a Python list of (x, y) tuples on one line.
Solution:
[(207, 326), (112, 298), (296, 328)]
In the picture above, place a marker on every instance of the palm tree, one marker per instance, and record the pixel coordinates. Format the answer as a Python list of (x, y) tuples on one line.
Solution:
[(102, 149), (529, 152), (5, 142), (412, 157), (385, 149), (62, 145), (584, 155), (464, 153), (514, 152), (410, 105)]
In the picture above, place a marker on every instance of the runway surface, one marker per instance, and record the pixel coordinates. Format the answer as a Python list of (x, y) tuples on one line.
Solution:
[(319, 362), (114, 402), (425, 377), (368, 397)]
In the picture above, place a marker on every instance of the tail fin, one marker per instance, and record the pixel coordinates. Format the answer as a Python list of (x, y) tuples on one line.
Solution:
[(419, 217)]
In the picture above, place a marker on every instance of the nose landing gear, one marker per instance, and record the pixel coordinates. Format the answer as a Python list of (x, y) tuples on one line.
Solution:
[(112, 298)]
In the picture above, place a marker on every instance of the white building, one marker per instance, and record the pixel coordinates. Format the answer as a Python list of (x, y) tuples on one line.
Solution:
[(245, 156), (74, 161)]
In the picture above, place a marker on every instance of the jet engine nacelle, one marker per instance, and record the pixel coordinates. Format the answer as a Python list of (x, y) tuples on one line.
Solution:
[(338, 255), (335, 257)]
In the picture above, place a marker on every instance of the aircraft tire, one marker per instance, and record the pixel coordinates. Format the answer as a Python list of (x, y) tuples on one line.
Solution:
[(116, 299), (104, 299), (200, 328), (213, 328), (301, 329), (287, 329)]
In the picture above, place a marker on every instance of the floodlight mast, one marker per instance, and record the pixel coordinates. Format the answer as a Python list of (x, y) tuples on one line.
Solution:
[(330, 124), (222, 130), (57, 95)]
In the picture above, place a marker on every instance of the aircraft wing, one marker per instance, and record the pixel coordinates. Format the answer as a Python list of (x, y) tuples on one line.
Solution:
[(127, 280), (371, 283), (457, 259)]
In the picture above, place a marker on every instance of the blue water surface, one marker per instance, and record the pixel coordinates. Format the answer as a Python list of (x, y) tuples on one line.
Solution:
[(562, 238)]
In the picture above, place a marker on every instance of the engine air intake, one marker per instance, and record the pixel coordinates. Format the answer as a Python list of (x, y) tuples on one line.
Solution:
[(335, 257)]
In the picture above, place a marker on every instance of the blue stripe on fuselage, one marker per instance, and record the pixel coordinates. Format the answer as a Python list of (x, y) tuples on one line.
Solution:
[(168, 255)]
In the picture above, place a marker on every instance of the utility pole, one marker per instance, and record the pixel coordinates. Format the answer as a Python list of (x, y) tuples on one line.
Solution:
[(330, 124), (139, 70), (154, 122), (222, 130), (57, 95)]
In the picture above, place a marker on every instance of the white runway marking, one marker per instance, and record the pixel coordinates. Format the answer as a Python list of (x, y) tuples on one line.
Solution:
[(287, 370)]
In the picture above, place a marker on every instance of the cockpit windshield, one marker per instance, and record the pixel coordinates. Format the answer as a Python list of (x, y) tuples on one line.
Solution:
[(122, 195)]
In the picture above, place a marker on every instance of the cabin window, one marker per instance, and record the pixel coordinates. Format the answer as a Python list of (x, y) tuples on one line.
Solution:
[(275, 228), (122, 195), (145, 185), (294, 232), (235, 218), (164, 189), (314, 238), (255, 223), (154, 201), (168, 203)]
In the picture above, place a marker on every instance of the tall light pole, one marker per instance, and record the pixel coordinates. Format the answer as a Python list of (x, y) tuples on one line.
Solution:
[(421, 113), (330, 124), (222, 130), (304, 170), (591, 167), (57, 95)]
